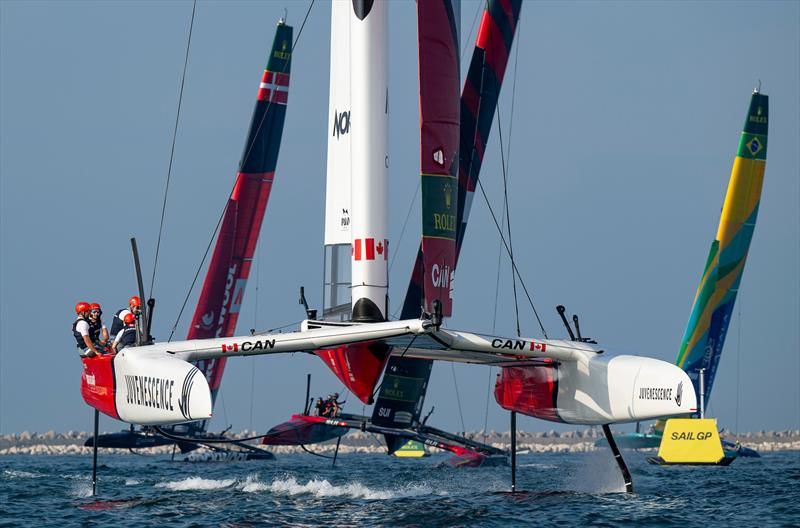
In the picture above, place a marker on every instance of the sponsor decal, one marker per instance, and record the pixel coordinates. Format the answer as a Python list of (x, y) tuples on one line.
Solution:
[(438, 156), (440, 276), (679, 394), (207, 321), (227, 297), (444, 222), (149, 391), (282, 53), (759, 118), (345, 220), (341, 123), (186, 391), (519, 344), (247, 346), (690, 435), (655, 393), (90, 379)]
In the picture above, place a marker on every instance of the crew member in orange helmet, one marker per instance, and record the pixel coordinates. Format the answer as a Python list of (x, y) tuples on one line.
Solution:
[(134, 307), (81, 331), (126, 336), (97, 329)]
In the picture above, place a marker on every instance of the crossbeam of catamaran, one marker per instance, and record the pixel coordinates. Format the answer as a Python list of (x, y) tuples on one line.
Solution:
[(156, 384)]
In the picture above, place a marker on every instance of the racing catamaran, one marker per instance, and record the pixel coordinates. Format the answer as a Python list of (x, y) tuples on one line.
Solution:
[(223, 290), (402, 392), (701, 346), (573, 382)]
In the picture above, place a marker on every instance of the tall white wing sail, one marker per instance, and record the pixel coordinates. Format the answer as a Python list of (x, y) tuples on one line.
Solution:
[(336, 290), (370, 106)]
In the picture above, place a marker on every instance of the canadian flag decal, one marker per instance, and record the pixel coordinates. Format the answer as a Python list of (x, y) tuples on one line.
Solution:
[(369, 249), (230, 348), (539, 347)]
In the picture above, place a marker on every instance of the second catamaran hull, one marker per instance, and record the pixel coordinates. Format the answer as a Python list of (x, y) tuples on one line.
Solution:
[(597, 391)]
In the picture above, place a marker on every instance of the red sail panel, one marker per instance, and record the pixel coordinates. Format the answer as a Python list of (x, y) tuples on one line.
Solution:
[(439, 79), (221, 297)]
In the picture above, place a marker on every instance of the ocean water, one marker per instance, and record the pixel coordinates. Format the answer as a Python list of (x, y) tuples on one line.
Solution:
[(378, 490)]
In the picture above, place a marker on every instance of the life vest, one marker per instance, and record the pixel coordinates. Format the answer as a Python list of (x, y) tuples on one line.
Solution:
[(117, 323), (94, 330), (78, 336), (128, 338)]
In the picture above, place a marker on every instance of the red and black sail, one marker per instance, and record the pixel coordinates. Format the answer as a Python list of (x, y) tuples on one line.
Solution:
[(439, 80), (478, 105), (218, 307)]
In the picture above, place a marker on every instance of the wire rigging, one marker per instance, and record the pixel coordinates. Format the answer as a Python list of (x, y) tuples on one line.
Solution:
[(478, 10), (403, 231), (513, 262), (505, 205), (172, 150), (458, 399)]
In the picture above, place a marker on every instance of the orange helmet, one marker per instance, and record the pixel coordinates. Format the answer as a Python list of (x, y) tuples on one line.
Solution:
[(129, 319), (95, 306), (82, 307), (135, 301)]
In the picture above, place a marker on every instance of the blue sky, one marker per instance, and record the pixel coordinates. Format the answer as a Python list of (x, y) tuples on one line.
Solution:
[(626, 121)]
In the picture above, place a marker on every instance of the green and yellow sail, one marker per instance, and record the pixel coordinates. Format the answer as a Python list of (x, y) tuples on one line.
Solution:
[(713, 304)]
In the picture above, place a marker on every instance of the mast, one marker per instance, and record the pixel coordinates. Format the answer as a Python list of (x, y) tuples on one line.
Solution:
[(369, 167), (223, 289)]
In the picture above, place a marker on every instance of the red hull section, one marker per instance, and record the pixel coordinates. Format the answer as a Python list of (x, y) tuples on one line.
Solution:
[(98, 385), (528, 390), (357, 366)]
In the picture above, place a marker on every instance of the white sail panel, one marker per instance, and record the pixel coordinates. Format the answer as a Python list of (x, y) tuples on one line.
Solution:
[(337, 197), (369, 103)]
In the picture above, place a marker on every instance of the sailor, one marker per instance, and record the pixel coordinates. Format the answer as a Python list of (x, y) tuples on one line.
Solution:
[(326, 407), (126, 336), (81, 331), (97, 329), (335, 406), (134, 307), (318, 407)]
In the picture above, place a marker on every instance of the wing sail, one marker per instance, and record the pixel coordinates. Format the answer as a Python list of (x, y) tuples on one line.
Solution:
[(704, 338), (477, 109), (439, 79)]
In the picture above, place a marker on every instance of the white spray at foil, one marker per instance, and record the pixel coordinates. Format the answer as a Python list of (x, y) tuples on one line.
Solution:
[(597, 473), (197, 483), (323, 488)]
